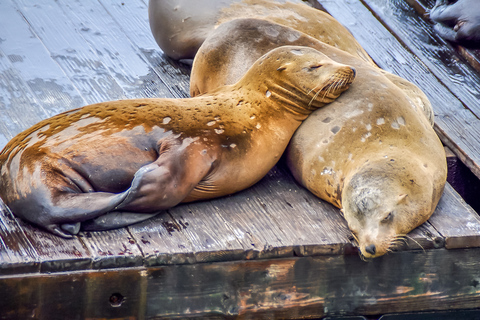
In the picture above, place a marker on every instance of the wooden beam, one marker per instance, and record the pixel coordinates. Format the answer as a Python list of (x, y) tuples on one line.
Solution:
[(436, 279)]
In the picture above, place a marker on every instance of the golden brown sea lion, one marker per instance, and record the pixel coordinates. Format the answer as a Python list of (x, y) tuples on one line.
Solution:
[(105, 165), (372, 152), (180, 26)]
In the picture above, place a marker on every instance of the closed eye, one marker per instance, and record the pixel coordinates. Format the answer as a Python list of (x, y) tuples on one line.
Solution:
[(315, 66), (388, 217)]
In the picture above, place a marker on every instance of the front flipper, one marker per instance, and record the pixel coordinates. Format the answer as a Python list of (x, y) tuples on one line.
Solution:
[(167, 181)]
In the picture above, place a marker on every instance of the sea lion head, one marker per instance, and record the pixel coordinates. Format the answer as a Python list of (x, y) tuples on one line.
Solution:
[(381, 204), (301, 78)]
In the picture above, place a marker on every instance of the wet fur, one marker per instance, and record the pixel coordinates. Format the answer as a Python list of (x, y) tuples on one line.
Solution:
[(115, 163), (328, 149)]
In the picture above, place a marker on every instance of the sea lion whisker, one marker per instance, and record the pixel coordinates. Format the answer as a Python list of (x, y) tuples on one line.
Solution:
[(355, 237), (415, 241), (400, 239), (313, 89), (332, 84), (316, 93)]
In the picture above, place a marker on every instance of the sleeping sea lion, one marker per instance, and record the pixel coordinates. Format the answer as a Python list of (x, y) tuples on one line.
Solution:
[(372, 152), (114, 163), (181, 26)]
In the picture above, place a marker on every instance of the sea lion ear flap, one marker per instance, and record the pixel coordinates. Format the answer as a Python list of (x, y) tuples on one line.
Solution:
[(283, 67), (401, 197)]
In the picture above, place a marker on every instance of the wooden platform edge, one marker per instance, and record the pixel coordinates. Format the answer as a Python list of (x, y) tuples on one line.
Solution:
[(292, 287)]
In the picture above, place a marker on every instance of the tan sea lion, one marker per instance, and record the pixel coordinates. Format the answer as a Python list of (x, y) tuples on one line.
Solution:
[(109, 164), (372, 152), (181, 26)]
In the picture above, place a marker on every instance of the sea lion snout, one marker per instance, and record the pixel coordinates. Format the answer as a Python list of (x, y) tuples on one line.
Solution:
[(376, 239), (371, 249)]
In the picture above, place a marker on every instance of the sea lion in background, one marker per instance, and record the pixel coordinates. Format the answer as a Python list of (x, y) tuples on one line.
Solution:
[(458, 21), (180, 26), (114, 163), (372, 152)]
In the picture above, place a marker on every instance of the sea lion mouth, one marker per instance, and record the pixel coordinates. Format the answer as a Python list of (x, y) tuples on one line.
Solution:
[(333, 88)]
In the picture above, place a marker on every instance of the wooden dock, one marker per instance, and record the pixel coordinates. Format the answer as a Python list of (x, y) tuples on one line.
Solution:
[(272, 251)]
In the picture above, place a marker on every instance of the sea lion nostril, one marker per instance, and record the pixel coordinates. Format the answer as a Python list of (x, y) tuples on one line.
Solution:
[(371, 249)]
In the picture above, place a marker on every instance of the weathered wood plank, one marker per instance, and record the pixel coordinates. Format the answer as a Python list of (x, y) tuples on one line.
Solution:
[(456, 221), (443, 315), (81, 63), (309, 225), (457, 126), (421, 39), (18, 107), (472, 56), (112, 249), (162, 241), (116, 294), (246, 216), (47, 89), (209, 235), (121, 57), (133, 19), (29, 249), (55, 253), (17, 254), (296, 287)]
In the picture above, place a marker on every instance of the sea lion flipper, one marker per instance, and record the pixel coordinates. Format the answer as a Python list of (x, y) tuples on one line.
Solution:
[(55, 229), (115, 220), (71, 228), (166, 182)]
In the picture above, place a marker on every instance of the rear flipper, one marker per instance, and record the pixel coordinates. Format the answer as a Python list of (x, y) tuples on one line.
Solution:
[(115, 220), (63, 218), (155, 187)]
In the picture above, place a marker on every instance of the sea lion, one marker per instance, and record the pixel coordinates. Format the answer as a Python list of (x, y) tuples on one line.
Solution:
[(372, 152), (225, 56), (458, 21), (180, 26), (110, 164)]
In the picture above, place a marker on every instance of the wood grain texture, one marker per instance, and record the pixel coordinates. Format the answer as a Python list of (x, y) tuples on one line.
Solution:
[(132, 18), (472, 56), (81, 63), (75, 295), (17, 254), (419, 37), (455, 123), (458, 224), (298, 287)]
